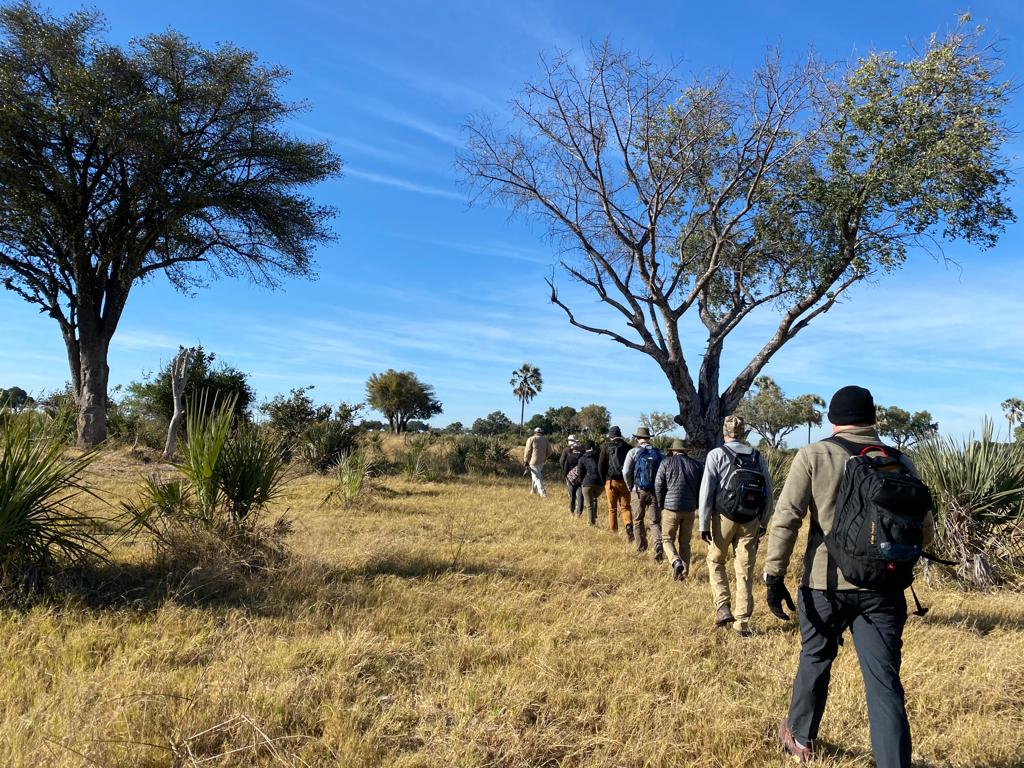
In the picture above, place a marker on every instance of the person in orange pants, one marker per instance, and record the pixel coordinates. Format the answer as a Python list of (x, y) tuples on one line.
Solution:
[(613, 456)]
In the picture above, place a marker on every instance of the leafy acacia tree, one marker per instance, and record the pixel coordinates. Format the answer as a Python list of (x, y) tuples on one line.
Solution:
[(903, 427), (658, 422), (773, 415), (401, 397), (495, 423), (15, 398), (119, 164), (675, 197), (526, 384), (595, 420)]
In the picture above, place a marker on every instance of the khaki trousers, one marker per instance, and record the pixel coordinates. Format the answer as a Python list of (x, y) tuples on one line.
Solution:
[(742, 537), (618, 503), (677, 531)]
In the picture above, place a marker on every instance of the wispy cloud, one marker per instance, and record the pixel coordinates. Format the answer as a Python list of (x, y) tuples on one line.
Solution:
[(353, 144), (406, 184), (497, 248)]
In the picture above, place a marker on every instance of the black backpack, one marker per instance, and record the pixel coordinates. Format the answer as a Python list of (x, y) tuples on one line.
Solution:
[(877, 532), (743, 491), (614, 460)]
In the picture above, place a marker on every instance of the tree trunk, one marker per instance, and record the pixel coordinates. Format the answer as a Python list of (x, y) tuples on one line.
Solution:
[(700, 412), (522, 414), (92, 395), (179, 380)]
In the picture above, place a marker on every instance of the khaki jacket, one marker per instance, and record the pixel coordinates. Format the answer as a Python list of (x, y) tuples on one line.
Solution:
[(811, 486), (537, 450)]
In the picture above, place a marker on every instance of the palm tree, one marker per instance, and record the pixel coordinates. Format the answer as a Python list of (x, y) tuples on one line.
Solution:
[(526, 384), (1014, 410)]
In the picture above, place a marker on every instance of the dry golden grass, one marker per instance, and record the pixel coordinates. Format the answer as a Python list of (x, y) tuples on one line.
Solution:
[(465, 624)]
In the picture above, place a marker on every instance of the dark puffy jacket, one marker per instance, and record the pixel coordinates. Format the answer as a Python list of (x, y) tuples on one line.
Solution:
[(621, 448), (568, 460), (677, 485), (589, 474)]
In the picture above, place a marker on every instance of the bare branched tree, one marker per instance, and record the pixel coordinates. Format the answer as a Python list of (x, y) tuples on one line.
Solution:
[(179, 380), (775, 196)]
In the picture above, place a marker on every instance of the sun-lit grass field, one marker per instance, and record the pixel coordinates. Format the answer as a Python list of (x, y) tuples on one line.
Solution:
[(461, 624)]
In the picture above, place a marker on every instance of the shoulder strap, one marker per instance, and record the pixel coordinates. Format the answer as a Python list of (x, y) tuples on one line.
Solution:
[(729, 452), (859, 449)]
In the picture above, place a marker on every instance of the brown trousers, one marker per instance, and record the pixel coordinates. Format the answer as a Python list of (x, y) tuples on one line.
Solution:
[(618, 503), (644, 501)]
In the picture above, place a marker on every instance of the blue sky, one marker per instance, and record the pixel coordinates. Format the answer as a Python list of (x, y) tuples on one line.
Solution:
[(421, 280)]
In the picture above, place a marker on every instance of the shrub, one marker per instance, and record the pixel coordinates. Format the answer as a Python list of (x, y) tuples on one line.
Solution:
[(37, 485), (352, 473), (325, 443), (978, 489), (228, 477)]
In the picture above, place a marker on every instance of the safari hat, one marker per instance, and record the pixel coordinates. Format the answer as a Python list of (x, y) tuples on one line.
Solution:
[(643, 432), (678, 446), (615, 432)]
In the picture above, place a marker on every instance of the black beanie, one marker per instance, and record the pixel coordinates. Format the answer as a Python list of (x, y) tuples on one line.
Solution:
[(852, 405)]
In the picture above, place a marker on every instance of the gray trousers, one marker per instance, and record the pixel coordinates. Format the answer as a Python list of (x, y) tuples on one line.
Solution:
[(575, 494), (875, 621)]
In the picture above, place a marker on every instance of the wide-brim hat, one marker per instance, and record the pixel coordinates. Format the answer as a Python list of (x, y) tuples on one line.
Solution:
[(643, 432), (677, 445), (614, 432)]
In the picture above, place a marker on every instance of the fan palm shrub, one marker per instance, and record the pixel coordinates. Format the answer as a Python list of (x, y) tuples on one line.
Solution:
[(978, 489), (352, 474), (38, 483), (228, 475)]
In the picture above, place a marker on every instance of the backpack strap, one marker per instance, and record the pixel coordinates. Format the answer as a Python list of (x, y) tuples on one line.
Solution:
[(862, 449)]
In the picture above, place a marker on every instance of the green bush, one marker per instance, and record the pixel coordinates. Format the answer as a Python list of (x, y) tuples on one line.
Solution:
[(325, 443), (228, 477), (352, 474), (38, 483)]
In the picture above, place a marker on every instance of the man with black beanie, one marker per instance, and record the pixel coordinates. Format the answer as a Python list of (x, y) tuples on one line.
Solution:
[(829, 604)]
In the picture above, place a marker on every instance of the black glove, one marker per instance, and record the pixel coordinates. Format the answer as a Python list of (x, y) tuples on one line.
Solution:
[(706, 536), (777, 594)]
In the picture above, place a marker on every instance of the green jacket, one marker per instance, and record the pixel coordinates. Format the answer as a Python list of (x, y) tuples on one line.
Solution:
[(811, 486)]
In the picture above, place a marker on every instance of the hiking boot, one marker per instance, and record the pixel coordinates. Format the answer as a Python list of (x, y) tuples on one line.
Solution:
[(629, 532), (641, 546), (743, 629), (677, 570), (659, 552), (802, 755), (724, 616)]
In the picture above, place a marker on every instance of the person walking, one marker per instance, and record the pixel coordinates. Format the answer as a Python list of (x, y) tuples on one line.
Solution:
[(613, 455), (829, 603), (591, 484), (538, 448), (639, 469), (568, 461), (735, 503), (676, 489)]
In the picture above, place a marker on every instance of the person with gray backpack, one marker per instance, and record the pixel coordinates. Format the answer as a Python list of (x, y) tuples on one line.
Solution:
[(735, 504), (871, 519), (639, 470)]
